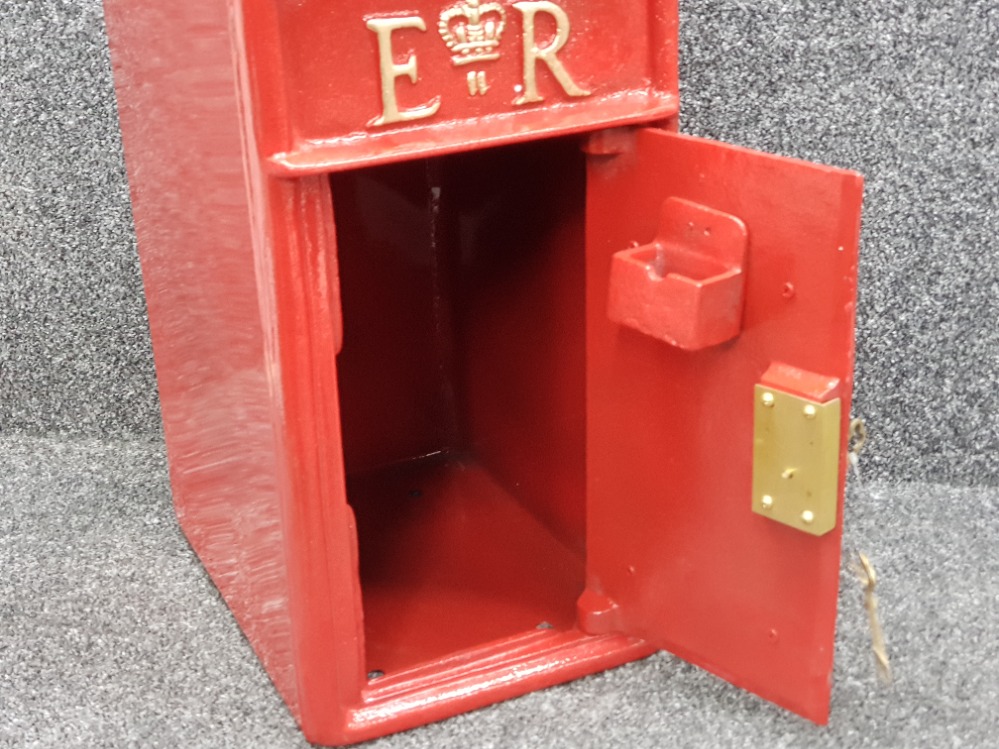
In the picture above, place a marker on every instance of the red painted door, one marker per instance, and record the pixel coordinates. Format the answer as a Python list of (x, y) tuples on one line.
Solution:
[(760, 258)]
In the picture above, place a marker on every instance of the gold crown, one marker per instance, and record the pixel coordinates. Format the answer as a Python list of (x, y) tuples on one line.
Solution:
[(472, 31)]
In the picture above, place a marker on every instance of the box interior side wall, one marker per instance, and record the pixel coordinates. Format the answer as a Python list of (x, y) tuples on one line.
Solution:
[(462, 381)]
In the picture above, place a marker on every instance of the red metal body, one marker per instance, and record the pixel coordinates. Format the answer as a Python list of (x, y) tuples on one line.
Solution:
[(456, 345)]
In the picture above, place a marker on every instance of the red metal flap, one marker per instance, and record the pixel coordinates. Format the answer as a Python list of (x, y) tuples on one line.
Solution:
[(675, 553)]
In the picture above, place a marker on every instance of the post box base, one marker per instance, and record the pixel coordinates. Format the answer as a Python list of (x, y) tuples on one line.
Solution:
[(482, 676)]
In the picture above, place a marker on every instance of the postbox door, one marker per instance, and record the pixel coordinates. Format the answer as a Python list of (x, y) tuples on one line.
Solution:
[(719, 279)]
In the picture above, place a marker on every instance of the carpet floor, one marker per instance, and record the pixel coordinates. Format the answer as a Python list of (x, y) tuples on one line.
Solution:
[(111, 634)]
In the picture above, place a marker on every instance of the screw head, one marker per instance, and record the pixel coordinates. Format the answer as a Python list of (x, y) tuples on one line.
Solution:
[(768, 400), (767, 501), (810, 411), (808, 517)]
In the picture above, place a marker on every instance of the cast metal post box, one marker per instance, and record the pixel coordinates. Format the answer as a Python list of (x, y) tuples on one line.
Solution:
[(476, 376)]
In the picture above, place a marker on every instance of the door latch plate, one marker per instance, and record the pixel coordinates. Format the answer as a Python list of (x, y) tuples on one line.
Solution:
[(796, 448)]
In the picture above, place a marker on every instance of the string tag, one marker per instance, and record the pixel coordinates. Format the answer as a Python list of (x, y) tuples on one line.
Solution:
[(864, 571), (861, 566)]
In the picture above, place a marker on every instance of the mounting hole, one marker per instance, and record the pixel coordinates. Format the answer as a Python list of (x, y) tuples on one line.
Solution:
[(376, 674), (415, 493)]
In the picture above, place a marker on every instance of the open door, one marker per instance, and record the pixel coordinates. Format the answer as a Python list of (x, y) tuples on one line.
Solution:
[(720, 297)]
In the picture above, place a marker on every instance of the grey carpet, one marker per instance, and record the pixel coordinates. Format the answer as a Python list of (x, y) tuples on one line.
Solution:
[(111, 635), (905, 92)]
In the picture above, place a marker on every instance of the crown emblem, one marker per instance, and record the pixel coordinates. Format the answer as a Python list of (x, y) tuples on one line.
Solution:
[(473, 31)]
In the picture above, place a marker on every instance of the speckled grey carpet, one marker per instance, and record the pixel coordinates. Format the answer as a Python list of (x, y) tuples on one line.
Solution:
[(110, 633)]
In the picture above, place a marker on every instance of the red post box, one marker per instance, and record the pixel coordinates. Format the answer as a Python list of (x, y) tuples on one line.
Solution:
[(477, 377)]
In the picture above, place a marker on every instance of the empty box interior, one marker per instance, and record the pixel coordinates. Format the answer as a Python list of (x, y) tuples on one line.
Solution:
[(462, 394)]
